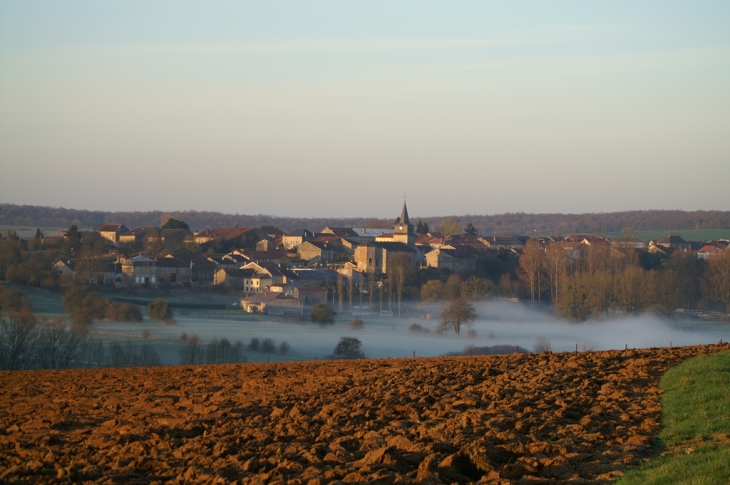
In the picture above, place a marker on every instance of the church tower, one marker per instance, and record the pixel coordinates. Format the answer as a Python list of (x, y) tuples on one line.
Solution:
[(404, 231)]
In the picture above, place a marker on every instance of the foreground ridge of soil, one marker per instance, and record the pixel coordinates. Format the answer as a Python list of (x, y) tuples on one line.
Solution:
[(522, 418)]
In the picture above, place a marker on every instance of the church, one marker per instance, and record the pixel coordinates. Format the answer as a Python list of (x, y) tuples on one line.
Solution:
[(373, 257)]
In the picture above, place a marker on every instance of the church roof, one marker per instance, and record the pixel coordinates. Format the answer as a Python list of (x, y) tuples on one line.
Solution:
[(403, 219)]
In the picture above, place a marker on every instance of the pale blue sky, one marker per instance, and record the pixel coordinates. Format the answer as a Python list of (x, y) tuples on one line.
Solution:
[(337, 108)]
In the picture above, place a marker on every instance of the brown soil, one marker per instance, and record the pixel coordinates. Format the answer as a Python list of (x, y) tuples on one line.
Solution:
[(571, 417)]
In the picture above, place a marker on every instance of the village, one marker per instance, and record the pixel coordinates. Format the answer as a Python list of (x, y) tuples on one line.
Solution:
[(280, 273)]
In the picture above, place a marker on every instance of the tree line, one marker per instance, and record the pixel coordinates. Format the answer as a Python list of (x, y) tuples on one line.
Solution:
[(511, 223)]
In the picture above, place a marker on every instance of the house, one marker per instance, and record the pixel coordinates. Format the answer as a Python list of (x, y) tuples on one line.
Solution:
[(107, 274), (673, 242), (313, 277), (140, 271), (316, 251), (137, 235), (278, 275), (311, 295), (202, 268), (65, 269), (502, 242), (295, 238), (272, 302), (247, 280), (262, 256), (707, 251), (170, 237), (174, 271), (372, 257), (456, 260), (271, 231), (232, 237), (112, 231)]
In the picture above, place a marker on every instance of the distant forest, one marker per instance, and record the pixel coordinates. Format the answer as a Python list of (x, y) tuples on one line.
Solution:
[(510, 223)]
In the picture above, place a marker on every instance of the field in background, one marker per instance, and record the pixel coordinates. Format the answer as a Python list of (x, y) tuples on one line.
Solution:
[(687, 235), (27, 232)]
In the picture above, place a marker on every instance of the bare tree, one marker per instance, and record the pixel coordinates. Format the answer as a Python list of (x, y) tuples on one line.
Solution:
[(530, 268), (20, 337), (400, 269), (456, 314), (339, 291), (555, 260)]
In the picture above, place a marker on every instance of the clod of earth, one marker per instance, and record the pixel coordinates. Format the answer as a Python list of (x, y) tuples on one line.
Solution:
[(521, 418)]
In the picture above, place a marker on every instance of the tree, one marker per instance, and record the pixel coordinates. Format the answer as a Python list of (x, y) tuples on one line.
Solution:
[(717, 278), (192, 353), (323, 314), (452, 288), (476, 289), (422, 228), (470, 230), (175, 224), (530, 268), (432, 290), (556, 261), (123, 312), (20, 337), (160, 310), (83, 305), (400, 270), (71, 242), (448, 227), (348, 348), (456, 314)]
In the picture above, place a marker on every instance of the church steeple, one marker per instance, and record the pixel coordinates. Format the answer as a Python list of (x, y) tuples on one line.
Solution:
[(404, 231), (404, 215)]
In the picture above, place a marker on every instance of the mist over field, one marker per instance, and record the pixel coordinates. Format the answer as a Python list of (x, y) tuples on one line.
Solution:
[(498, 324)]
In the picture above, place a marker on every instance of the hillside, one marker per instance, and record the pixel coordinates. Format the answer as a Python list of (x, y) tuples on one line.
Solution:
[(513, 223), (528, 418)]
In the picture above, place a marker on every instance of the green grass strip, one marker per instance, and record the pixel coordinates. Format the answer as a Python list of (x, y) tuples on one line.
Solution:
[(695, 437)]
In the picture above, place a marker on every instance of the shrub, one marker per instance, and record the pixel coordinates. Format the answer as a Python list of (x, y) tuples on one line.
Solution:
[(284, 347), (348, 348), (323, 314), (13, 300), (192, 353), (357, 324), (223, 352), (254, 344), (160, 310), (267, 345), (84, 306), (542, 344), (416, 328), (123, 312)]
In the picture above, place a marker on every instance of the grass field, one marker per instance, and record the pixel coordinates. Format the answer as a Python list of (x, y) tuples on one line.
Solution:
[(687, 235), (28, 232), (695, 439)]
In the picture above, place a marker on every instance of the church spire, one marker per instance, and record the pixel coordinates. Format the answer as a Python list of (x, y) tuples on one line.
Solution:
[(404, 215)]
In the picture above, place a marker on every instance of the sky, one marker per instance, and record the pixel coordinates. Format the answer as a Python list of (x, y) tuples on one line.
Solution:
[(339, 108)]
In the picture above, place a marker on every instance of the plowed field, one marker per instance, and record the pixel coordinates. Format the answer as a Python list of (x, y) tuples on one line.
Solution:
[(523, 418)]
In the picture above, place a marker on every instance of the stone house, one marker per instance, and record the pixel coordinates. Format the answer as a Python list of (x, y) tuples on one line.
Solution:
[(456, 260), (295, 238), (137, 235), (112, 231), (139, 271)]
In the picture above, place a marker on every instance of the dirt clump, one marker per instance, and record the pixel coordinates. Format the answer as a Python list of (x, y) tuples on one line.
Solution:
[(521, 418)]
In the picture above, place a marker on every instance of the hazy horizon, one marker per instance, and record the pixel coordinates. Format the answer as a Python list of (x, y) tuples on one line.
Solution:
[(336, 109)]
